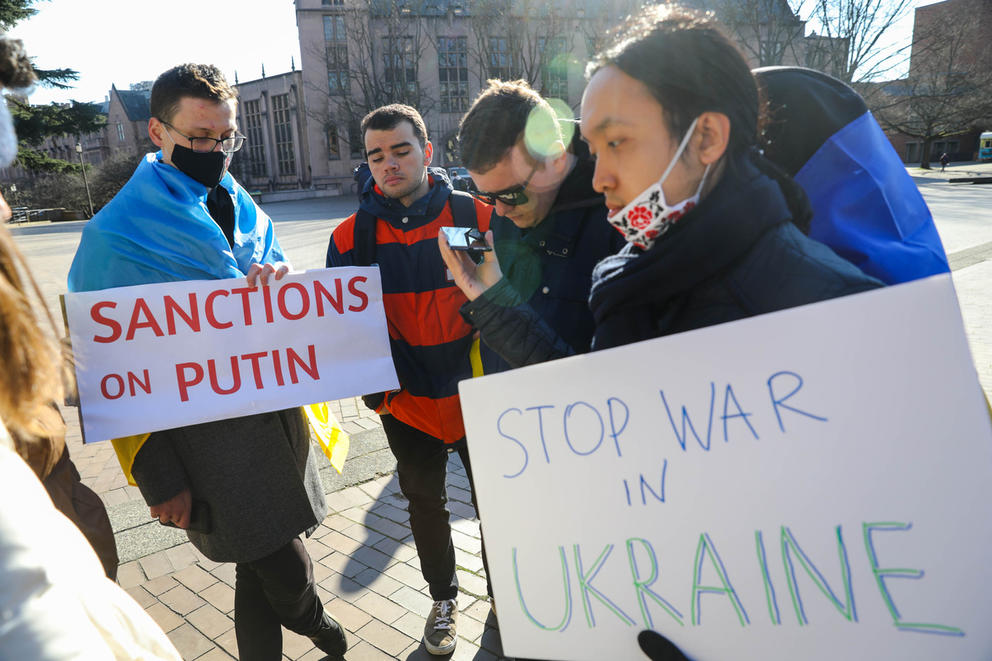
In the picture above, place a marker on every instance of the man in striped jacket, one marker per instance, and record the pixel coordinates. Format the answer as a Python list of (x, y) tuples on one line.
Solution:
[(402, 207)]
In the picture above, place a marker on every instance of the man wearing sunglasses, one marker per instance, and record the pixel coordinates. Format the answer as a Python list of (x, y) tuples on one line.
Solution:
[(182, 216), (549, 226)]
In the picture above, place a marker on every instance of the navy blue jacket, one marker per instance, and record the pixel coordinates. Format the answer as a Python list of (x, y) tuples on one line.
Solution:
[(735, 255), (547, 273), (430, 342)]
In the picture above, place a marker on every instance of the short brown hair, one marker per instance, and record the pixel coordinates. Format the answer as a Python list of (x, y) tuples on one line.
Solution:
[(388, 117), (200, 81), (497, 120)]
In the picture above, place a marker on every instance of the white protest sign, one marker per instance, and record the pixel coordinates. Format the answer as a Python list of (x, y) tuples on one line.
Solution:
[(159, 356), (810, 484)]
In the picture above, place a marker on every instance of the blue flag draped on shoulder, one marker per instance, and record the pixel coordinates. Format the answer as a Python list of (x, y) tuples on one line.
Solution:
[(866, 207), (158, 229)]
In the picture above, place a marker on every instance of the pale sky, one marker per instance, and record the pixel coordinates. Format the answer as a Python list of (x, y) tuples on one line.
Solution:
[(127, 41)]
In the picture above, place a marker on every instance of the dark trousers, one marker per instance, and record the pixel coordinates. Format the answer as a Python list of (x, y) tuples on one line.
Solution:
[(274, 592), (421, 465)]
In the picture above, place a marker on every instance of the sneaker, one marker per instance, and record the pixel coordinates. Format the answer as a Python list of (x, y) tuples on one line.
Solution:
[(330, 638), (439, 633)]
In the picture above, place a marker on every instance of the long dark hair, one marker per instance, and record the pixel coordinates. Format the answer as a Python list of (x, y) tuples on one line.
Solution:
[(689, 66)]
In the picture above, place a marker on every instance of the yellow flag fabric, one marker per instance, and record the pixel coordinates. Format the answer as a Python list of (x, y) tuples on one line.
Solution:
[(333, 440), (475, 357), (127, 449)]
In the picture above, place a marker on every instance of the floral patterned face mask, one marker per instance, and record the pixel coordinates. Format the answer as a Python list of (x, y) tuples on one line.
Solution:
[(649, 216)]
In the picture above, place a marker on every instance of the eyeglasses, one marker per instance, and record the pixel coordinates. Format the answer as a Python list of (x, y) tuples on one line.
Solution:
[(228, 145), (511, 197)]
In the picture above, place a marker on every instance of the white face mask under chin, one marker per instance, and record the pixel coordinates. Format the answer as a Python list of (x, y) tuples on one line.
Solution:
[(649, 215)]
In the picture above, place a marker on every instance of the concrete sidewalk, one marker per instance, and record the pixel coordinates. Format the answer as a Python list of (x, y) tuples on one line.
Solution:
[(365, 562), (953, 170)]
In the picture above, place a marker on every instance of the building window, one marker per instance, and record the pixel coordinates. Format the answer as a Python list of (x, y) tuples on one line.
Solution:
[(400, 67), (772, 52), (499, 59), (914, 152), (333, 3), (282, 123), (256, 141), (452, 71), (356, 145), (554, 71), (333, 146), (120, 131), (336, 51)]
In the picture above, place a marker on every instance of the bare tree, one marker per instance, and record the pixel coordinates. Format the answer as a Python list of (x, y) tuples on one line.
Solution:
[(770, 32), (948, 89), (853, 31), (598, 22), (528, 39), (373, 50)]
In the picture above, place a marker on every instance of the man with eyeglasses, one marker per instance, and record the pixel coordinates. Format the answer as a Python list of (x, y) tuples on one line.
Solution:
[(182, 216), (549, 227)]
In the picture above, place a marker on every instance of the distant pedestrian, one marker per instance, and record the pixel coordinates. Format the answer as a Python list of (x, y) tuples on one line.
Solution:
[(944, 160)]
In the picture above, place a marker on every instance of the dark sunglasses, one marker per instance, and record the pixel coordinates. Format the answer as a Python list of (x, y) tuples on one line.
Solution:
[(511, 197)]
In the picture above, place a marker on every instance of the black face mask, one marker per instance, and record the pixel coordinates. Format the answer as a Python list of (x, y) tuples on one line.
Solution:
[(206, 168)]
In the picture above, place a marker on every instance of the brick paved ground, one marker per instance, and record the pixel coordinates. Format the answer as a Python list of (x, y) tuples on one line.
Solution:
[(365, 565)]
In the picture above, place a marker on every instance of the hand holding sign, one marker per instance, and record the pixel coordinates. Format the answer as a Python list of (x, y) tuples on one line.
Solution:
[(153, 357), (261, 272)]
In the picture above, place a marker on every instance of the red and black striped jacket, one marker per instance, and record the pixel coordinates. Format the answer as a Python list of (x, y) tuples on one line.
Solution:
[(430, 341)]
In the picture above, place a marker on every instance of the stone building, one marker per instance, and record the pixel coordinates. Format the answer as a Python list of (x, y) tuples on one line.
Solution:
[(947, 94), (272, 116), (437, 54)]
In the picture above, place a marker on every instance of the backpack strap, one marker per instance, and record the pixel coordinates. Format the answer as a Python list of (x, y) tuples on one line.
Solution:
[(463, 210), (364, 238)]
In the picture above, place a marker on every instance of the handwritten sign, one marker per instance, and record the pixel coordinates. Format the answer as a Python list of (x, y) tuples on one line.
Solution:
[(810, 484), (160, 356)]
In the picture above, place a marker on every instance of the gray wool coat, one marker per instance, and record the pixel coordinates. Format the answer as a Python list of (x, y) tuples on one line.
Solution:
[(257, 474)]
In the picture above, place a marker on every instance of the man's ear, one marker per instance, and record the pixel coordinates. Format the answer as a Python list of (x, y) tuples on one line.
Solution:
[(155, 129), (428, 152), (712, 137), (558, 157)]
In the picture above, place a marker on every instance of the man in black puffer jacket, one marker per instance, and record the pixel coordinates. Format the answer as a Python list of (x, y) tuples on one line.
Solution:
[(738, 255)]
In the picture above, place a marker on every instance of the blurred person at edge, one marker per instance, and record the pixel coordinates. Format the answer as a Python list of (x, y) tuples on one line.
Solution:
[(55, 601)]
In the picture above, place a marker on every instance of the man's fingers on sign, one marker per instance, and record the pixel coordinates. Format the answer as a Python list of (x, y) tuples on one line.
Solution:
[(261, 273)]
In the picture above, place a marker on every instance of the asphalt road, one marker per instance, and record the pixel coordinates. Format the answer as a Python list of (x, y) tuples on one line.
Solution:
[(963, 214)]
